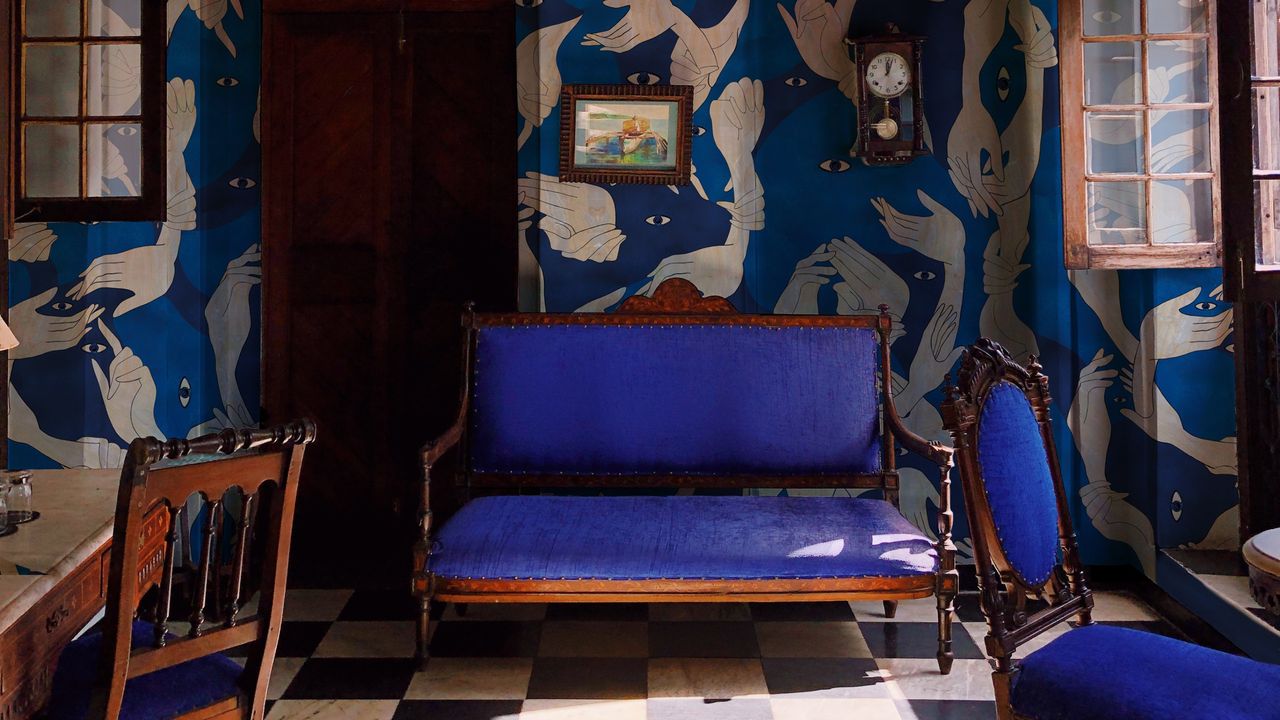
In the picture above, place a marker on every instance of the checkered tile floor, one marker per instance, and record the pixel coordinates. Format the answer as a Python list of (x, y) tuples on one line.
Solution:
[(348, 655)]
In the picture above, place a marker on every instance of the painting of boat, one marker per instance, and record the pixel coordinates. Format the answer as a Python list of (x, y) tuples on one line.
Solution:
[(628, 133)]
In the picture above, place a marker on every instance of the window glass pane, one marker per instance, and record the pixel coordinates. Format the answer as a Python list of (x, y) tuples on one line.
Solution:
[(1179, 71), (1181, 142), (1115, 142), (53, 80), (1112, 73), (114, 160), (1266, 19), (114, 75), (1111, 17), (1266, 128), (1117, 213), (51, 166), (1266, 193), (51, 18), (1176, 16), (120, 18), (1181, 211)]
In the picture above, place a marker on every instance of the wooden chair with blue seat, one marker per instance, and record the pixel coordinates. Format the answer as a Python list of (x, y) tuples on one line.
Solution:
[(1025, 547), (139, 670)]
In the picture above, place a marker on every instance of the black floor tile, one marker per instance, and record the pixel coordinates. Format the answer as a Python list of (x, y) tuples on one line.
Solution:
[(486, 639), (968, 608), (947, 709), (589, 678), (802, 611), (598, 611), (297, 639), (823, 677), (351, 679), (456, 709), (380, 605), (1210, 562), (915, 640), (703, 640)]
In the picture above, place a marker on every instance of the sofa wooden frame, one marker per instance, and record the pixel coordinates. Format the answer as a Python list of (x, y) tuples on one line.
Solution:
[(678, 302), (1003, 593)]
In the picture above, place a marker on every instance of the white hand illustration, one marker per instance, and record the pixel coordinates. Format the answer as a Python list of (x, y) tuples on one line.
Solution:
[(972, 136), (230, 320), (180, 115), (114, 168), (1168, 332), (737, 118), (87, 452), (866, 283), (41, 333), (211, 13), (939, 235), (644, 21), (145, 271), (538, 75), (128, 391), (578, 218), (819, 29), (1113, 516), (121, 81), (1035, 33), (800, 297), (31, 242), (699, 55)]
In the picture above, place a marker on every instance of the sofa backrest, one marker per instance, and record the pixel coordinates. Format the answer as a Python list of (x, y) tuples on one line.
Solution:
[(649, 394)]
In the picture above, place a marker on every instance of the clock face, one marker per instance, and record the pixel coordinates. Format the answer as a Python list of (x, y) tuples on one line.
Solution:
[(888, 75)]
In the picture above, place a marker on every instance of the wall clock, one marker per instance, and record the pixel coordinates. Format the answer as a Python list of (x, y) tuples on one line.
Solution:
[(889, 98)]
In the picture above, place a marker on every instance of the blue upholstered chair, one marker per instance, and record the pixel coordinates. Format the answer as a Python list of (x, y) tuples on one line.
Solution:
[(139, 670), (1025, 547)]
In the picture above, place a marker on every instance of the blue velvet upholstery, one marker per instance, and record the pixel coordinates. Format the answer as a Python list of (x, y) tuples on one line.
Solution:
[(155, 696), (681, 537), (1019, 487), (685, 399), (1105, 673)]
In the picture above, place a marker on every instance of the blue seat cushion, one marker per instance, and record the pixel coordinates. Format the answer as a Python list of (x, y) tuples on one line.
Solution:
[(156, 696), (1103, 672), (679, 538), (676, 399)]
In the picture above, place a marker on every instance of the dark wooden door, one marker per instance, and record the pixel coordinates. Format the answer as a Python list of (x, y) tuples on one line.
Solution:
[(388, 188)]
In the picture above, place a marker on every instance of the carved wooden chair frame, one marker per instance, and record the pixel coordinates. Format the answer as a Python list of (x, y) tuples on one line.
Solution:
[(1003, 592), (150, 499), (679, 302)]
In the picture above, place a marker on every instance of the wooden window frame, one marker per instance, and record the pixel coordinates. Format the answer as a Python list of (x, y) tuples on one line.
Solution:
[(1078, 253), (151, 203)]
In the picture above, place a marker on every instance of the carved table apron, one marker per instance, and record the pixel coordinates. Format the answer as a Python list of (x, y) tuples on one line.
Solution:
[(52, 580)]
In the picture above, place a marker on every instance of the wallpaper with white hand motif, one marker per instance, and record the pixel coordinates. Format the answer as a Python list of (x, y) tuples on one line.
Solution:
[(963, 243), (136, 329)]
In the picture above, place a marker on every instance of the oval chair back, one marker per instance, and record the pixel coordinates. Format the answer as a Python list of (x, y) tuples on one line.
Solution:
[(242, 549), (1023, 541)]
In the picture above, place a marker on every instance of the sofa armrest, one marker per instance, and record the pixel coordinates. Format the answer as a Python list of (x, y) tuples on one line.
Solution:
[(436, 449), (931, 450)]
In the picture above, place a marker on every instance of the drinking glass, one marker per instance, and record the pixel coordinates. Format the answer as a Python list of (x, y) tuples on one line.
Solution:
[(19, 483)]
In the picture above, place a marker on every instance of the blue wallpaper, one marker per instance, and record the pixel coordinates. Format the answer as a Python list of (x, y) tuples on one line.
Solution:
[(963, 243), (139, 328), (133, 329)]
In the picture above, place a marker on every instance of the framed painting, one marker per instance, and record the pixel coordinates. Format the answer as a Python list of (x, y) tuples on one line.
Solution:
[(626, 134)]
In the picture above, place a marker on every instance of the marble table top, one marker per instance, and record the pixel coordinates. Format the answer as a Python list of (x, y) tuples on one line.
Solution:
[(77, 512)]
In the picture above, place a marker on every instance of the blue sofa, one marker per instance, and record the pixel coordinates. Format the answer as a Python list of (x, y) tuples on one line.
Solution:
[(678, 391)]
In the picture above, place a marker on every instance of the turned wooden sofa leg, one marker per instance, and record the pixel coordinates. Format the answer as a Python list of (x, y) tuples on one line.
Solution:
[(946, 612), (890, 608), (421, 655)]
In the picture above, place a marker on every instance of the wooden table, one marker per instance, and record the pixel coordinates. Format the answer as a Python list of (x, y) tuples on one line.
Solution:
[(40, 613)]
